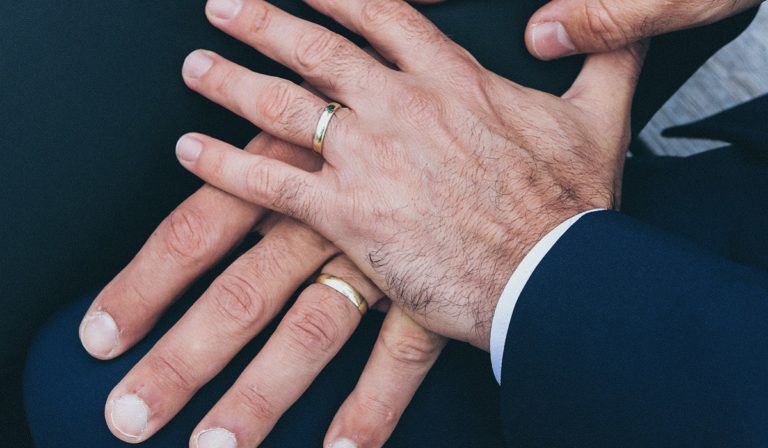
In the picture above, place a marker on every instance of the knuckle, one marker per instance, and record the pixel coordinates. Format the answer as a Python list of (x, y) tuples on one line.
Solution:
[(386, 412), (259, 182), (259, 18), (171, 372), (377, 13), (293, 197), (141, 301), (315, 49), (187, 236), (278, 101), (255, 402), (413, 347), (238, 300), (313, 329), (466, 74), (604, 26), (226, 84)]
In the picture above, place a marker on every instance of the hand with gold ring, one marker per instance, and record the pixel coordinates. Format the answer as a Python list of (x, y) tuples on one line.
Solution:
[(235, 308), (439, 175)]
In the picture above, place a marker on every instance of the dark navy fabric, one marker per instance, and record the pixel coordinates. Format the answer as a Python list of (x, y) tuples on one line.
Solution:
[(654, 333), (93, 102)]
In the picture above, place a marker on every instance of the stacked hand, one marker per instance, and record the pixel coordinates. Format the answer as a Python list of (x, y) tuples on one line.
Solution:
[(234, 309), (438, 177), (435, 179)]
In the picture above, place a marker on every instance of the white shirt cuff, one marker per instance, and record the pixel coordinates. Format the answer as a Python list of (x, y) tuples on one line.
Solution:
[(506, 306)]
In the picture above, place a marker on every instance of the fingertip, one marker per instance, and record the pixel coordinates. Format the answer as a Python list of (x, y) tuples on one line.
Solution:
[(342, 443), (196, 65), (549, 40), (188, 149), (99, 335), (127, 417)]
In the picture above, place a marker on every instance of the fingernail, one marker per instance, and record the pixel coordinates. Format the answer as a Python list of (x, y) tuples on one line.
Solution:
[(129, 415), (188, 148), (344, 443), (551, 40), (224, 9), (216, 438), (197, 64), (98, 334)]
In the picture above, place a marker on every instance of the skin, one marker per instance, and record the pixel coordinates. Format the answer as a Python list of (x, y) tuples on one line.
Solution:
[(211, 222), (565, 27), (238, 305), (440, 176)]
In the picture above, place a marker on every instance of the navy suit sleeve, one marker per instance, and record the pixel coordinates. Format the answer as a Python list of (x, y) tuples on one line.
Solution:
[(625, 336)]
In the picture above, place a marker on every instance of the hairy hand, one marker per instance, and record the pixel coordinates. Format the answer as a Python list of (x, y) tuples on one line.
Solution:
[(566, 27), (440, 175)]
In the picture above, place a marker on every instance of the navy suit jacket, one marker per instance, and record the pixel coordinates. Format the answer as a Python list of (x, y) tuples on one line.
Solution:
[(628, 336)]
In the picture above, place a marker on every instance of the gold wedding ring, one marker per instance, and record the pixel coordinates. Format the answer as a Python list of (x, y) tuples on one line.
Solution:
[(345, 289), (322, 126)]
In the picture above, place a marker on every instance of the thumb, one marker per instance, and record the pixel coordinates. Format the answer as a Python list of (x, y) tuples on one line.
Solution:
[(567, 27), (606, 84)]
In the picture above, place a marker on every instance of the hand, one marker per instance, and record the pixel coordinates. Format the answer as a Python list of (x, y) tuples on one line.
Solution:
[(438, 178), (566, 27), (236, 308)]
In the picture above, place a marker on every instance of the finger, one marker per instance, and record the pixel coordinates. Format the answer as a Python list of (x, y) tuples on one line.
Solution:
[(193, 238), (566, 27), (311, 333), (400, 33), (403, 355), (261, 180), (281, 108), (236, 307), (332, 63), (607, 82)]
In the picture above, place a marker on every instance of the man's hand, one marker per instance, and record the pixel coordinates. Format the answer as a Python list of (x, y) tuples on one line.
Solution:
[(566, 27), (236, 307), (440, 176)]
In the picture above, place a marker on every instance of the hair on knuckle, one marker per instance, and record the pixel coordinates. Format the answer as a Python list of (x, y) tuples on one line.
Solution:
[(316, 49), (278, 101)]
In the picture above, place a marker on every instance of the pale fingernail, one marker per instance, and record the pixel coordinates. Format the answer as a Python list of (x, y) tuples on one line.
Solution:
[(196, 64), (98, 334), (344, 443), (551, 41), (188, 148), (129, 415), (224, 9), (216, 438)]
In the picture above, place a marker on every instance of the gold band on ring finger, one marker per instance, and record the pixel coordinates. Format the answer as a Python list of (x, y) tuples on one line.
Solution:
[(322, 126), (345, 289)]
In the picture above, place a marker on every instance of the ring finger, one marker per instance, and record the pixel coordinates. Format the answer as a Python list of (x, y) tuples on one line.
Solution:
[(312, 332), (239, 303)]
